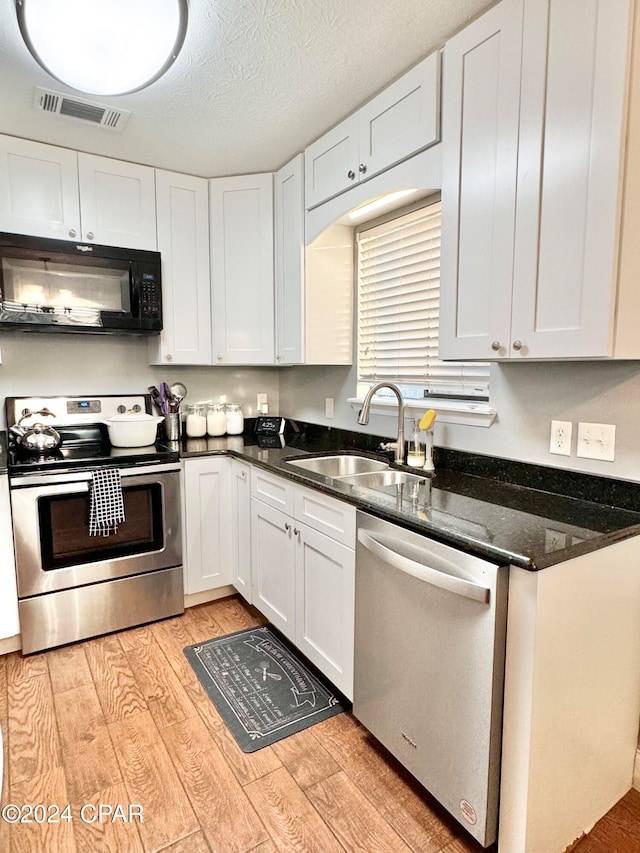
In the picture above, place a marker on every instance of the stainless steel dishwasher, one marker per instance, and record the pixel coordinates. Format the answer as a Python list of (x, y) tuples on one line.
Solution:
[(429, 664)]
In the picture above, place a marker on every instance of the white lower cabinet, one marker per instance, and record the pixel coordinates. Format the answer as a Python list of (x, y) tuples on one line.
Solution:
[(273, 566), (207, 551), (9, 625), (241, 528), (304, 572), (324, 607)]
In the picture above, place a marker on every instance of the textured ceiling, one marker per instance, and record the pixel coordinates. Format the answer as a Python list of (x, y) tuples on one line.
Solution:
[(256, 81)]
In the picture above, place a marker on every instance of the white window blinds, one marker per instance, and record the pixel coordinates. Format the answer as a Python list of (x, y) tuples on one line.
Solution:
[(398, 308)]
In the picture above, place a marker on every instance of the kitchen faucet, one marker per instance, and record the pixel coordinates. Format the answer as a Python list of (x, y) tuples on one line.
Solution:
[(363, 416)]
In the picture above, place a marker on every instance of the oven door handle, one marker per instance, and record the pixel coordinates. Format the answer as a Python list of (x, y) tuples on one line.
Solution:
[(70, 476)]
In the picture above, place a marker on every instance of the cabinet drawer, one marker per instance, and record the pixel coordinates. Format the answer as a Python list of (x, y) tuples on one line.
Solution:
[(328, 515), (272, 490)]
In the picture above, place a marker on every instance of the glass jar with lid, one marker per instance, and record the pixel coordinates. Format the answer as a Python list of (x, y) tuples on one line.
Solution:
[(196, 425), (216, 419), (235, 419)]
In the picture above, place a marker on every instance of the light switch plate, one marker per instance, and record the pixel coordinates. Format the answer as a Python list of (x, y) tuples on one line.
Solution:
[(596, 441)]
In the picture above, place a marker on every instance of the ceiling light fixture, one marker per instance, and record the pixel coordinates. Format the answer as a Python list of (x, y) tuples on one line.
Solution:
[(379, 203), (104, 47)]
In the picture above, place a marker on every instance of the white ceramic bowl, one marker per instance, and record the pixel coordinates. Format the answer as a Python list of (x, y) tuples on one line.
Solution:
[(132, 430)]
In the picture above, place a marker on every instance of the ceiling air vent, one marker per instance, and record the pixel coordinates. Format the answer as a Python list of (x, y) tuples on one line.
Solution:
[(55, 102)]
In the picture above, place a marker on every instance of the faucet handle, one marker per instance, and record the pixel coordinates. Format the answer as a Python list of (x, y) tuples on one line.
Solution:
[(388, 445)]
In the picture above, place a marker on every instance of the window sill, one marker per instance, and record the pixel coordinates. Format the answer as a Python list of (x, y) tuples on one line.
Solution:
[(464, 412)]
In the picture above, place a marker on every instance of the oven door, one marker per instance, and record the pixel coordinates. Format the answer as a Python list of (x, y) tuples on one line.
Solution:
[(54, 550)]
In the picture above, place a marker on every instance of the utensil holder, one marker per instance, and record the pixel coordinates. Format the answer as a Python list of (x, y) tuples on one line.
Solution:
[(173, 426)]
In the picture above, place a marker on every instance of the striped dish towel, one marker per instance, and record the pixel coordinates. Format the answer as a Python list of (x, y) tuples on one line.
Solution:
[(106, 502)]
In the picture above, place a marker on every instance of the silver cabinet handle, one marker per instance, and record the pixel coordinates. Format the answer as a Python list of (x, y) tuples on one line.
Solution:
[(296, 532), (351, 174), (89, 235), (517, 345), (362, 168), (495, 346), (287, 526), (72, 232), (458, 586)]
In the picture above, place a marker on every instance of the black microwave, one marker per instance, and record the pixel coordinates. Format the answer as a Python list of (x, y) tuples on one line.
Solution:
[(61, 286)]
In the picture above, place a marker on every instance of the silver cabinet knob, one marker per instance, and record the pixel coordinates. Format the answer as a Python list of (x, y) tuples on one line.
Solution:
[(72, 232), (495, 346), (219, 357), (278, 358), (168, 357), (362, 168), (89, 235), (243, 474), (287, 527), (351, 174), (296, 532), (517, 345)]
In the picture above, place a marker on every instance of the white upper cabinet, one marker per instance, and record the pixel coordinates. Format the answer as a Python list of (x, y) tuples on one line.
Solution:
[(38, 189), (183, 242), (480, 106), (534, 121), (288, 186), (572, 112), (54, 192), (117, 202), (242, 275), (401, 120)]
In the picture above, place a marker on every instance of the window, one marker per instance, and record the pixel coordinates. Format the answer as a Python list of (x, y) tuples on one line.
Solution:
[(398, 268)]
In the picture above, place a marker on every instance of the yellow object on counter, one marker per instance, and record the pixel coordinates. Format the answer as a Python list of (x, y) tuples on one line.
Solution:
[(428, 419)]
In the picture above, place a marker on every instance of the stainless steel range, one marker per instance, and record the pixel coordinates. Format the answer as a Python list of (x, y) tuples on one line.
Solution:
[(71, 584)]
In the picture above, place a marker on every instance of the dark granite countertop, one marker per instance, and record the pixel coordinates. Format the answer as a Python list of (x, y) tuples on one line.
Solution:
[(508, 512)]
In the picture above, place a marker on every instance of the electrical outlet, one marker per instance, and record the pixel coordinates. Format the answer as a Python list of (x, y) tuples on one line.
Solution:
[(328, 407), (560, 441), (597, 441)]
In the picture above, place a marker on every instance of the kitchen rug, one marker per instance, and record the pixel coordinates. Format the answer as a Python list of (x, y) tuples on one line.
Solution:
[(261, 688)]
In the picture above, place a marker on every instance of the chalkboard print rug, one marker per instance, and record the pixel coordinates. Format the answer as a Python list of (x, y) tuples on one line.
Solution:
[(261, 688)]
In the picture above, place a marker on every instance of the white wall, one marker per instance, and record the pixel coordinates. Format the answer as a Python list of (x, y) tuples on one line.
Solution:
[(41, 364), (526, 396)]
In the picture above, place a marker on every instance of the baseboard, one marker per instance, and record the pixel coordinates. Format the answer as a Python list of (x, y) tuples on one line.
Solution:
[(208, 595), (10, 644), (636, 771)]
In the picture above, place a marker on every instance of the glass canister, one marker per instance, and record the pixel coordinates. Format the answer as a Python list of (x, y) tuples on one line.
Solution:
[(235, 419), (216, 419), (196, 425)]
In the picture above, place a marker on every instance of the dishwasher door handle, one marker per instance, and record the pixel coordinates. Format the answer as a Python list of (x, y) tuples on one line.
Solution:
[(458, 586)]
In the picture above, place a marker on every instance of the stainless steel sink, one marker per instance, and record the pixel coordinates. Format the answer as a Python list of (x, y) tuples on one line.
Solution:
[(384, 479), (342, 465)]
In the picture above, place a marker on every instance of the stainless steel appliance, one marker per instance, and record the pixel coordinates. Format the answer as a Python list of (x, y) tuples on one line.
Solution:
[(429, 664), (60, 286), (72, 585)]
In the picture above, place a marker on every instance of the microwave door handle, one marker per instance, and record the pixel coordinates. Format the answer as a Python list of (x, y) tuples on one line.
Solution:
[(134, 291), (424, 573)]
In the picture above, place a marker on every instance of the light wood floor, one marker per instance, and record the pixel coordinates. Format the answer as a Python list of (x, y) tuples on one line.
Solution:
[(123, 720)]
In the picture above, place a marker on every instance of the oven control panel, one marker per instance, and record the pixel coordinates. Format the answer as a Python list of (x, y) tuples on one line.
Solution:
[(75, 410)]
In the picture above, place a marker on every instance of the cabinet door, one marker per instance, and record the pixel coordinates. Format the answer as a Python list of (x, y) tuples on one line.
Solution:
[(402, 119), (117, 202), (481, 100), (273, 566), (331, 163), (241, 528), (289, 259), (241, 217), (571, 137), (325, 583), (183, 242), (207, 527), (9, 625), (38, 189)]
